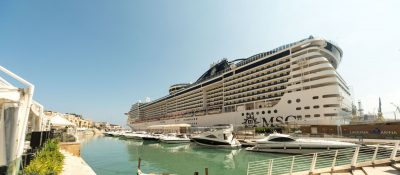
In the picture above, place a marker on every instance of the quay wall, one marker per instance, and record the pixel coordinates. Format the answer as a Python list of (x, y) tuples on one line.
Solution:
[(383, 130), (72, 147)]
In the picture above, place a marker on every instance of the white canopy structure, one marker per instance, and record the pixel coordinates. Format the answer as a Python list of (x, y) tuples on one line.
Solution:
[(15, 105), (38, 121), (59, 121)]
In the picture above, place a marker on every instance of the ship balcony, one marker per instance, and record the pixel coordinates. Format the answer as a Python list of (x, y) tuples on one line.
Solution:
[(262, 71), (264, 81)]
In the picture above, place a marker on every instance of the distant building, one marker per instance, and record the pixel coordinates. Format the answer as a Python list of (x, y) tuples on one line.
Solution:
[(106, 126), (79, 121), (115, 127)]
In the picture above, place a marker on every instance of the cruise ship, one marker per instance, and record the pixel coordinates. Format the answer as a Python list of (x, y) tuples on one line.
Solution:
[(294, 83)]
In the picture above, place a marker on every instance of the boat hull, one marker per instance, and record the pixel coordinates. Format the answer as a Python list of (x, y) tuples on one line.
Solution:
[(289, 150), (174, 141), (214, 143)]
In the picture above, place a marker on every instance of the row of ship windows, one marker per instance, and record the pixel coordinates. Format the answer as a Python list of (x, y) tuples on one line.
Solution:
[(316, 97), (319, 115), (255, 92), (262, 112), (189, 119), (317, 106), (254, 98)]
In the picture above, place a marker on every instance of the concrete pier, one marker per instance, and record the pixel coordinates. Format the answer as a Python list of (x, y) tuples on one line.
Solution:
[(74, 165)]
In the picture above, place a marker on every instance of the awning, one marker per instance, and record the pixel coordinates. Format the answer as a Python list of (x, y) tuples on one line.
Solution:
[(36, 108), (57, 120)]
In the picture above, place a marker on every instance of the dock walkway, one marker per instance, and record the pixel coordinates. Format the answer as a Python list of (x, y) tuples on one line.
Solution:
[(74, 165)]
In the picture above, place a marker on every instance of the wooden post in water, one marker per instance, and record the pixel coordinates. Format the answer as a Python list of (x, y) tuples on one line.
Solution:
[(206, 171), (196, 173), (138, 166)]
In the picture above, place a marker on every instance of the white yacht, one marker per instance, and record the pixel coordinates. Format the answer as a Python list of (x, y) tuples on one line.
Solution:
[(282, 143), (135, 135), (152, 137), (175, 138), (220, 136)]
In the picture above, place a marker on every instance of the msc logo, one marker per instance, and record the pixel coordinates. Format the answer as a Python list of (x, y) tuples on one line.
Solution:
[(250, 121)]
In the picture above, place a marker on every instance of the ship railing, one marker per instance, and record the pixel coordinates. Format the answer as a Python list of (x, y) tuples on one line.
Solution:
[(327, 161)]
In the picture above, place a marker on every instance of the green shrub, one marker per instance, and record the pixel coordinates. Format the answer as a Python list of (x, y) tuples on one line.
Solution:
[(48, 160)]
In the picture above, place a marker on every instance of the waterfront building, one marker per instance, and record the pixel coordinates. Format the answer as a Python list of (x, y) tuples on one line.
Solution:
[(106, 126), (297, 82), (79, 121)]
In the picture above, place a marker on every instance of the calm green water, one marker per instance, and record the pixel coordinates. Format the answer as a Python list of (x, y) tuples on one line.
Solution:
[(108, 156)]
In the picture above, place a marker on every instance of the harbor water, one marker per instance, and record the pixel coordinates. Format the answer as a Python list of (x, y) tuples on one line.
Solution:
[(110, 155)]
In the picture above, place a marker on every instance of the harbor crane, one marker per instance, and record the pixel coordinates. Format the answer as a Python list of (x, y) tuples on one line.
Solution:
[(397, 109)]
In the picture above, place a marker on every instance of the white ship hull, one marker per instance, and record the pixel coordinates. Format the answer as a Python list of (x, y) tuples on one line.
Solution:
[(285, 113), (295, 83)]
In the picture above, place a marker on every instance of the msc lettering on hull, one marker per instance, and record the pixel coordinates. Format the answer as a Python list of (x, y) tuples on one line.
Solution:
[(250, 121)]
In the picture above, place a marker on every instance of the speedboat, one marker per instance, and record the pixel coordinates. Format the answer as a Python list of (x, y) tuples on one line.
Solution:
[(108, 133), (282, 143), (220, 136), (175, 138), (135, 135), (152, 137)]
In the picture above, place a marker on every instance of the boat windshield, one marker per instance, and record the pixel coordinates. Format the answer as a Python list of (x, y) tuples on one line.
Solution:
[(211, 136), (282, 139)]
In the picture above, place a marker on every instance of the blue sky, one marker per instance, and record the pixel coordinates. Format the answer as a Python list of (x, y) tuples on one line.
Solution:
[(97, 57)]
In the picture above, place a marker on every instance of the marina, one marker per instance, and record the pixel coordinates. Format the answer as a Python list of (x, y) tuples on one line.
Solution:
[(226, 87), (121, 157)]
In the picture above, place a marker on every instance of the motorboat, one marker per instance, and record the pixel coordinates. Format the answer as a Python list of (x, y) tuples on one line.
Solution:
[(282, 143), (110, 133), (152, 137), (175, 138), (135, 135), (218, 136)]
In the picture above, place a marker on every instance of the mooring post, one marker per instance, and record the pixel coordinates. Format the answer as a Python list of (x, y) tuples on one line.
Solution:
[(394, 153), (206, 169), (196, 173), (313, 162), (355, 156), (138, 166), (375, 153)]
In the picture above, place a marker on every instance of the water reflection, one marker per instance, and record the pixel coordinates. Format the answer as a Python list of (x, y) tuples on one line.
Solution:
[(185, 158), (175, 147), (109, 155)]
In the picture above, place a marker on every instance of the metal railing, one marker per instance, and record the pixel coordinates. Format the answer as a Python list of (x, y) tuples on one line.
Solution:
[(327, 161)]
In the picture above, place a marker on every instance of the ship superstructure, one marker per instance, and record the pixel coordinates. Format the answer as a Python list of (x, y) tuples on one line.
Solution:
[(295, 82)]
